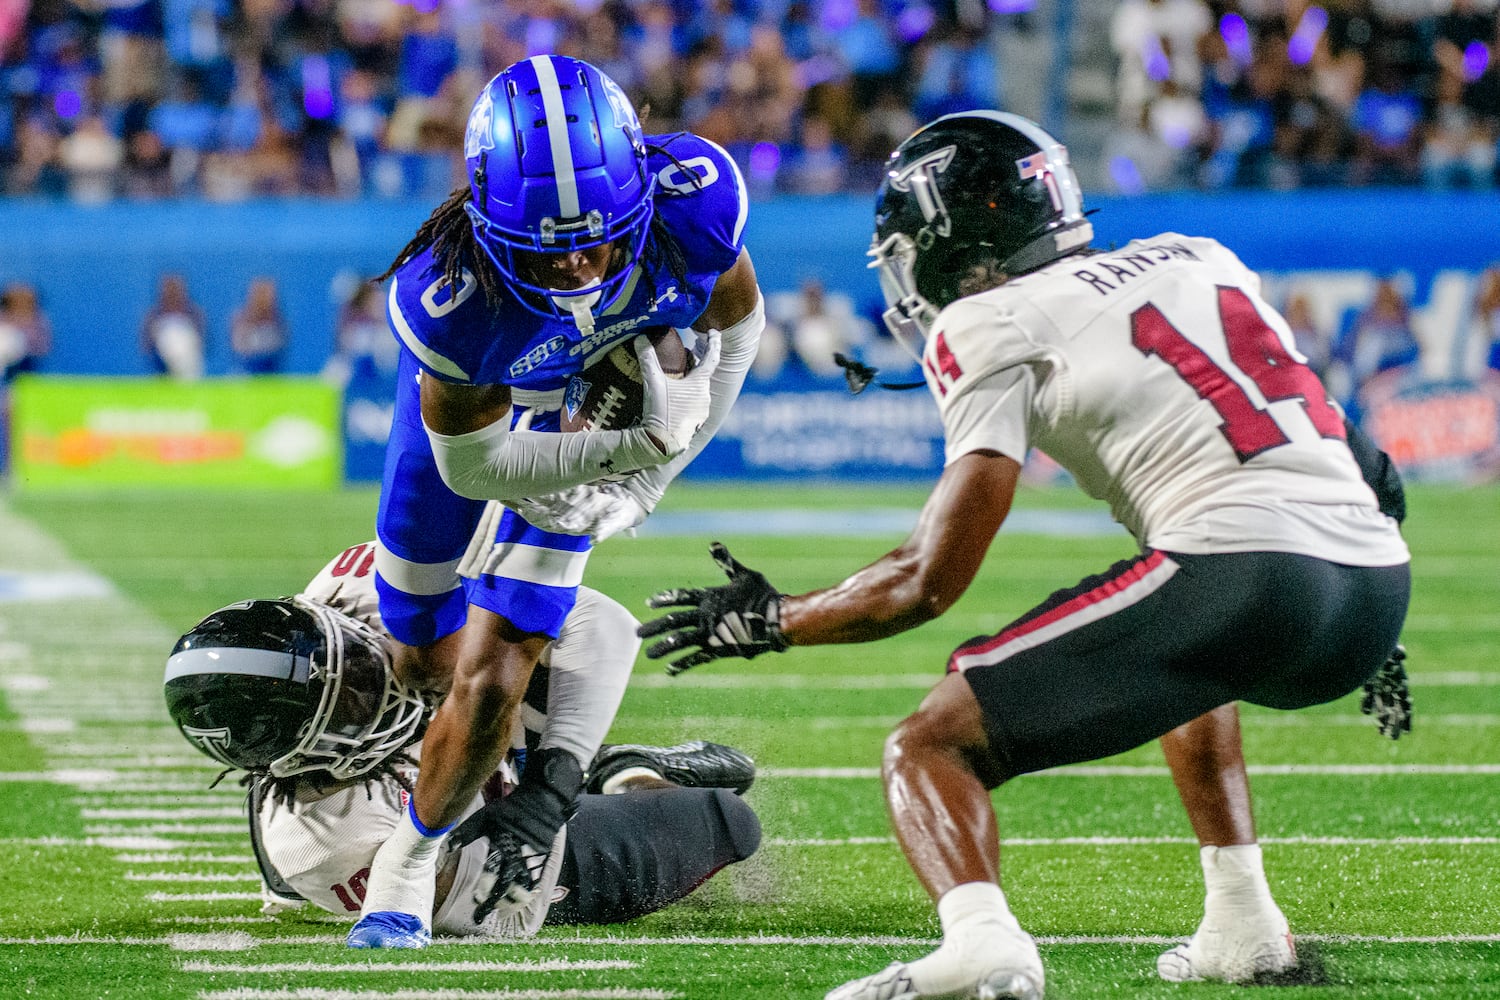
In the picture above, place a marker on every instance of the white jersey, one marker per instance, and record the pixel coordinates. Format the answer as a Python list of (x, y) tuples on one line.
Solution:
[(1162, 381), (324, 845)]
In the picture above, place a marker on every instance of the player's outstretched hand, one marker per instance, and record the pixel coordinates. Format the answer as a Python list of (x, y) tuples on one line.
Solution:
[(741, 618), (1387, 697)]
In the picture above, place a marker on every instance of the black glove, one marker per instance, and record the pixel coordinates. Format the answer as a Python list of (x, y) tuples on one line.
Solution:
[(1387, 697), (738, 619), (520, 828)]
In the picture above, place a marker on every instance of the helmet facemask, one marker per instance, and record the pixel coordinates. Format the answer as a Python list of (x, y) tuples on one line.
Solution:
[(364, 715), (580, 304), (908, 315)]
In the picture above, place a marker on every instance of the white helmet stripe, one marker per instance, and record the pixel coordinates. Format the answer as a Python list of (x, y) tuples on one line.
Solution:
[(236, 660), (557, 136)]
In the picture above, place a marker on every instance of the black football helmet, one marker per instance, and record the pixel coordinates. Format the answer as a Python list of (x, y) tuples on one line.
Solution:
[(977, 190), (288, 686)]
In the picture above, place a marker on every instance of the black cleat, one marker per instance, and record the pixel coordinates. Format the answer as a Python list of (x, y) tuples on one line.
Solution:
[(694, 764)]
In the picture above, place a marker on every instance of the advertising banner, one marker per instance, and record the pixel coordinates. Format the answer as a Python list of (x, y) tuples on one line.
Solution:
[(1436, 431), (266, 432), (798, 427)]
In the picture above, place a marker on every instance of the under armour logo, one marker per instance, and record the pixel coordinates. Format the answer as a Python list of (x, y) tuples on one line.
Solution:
[(919, 177), (608, 465), (670, 295)]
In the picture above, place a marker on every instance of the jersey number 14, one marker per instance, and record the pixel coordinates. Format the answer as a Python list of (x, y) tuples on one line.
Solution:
[(1260, 357)]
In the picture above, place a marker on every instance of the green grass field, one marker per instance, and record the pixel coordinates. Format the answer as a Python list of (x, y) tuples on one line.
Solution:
[(123, 875)]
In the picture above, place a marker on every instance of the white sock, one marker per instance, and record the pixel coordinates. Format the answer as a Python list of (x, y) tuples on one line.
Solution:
[(972, 902), (1234, 880), (402, 877)]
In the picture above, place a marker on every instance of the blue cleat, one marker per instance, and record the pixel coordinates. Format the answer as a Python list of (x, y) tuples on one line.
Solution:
[(389, 929)]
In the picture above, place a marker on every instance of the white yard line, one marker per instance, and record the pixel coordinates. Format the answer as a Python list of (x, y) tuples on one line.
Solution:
[(1158, 771), (217, 812), (252, 877), (202, 897), (1398, 841), (318, 993), (180, 858), (186, 942), (542, 965), (92, 777)]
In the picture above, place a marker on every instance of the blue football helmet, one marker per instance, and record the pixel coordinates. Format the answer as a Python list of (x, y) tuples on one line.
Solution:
[(557, 162)]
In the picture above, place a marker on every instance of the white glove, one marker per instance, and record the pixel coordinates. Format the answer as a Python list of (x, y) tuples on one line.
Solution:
[(598, 510), (674, 409)]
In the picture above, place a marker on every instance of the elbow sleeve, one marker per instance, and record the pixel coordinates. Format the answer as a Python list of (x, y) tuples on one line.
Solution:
[(496, 463)]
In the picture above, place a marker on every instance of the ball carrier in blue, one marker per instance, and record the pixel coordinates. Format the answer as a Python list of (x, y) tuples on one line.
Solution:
[(576, 232)]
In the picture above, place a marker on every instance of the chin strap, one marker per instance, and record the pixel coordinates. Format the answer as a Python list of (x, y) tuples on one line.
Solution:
[(860, 376)]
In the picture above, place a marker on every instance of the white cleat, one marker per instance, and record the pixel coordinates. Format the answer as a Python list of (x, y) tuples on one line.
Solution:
[(973, 968), (1229, 955), (894, 983)]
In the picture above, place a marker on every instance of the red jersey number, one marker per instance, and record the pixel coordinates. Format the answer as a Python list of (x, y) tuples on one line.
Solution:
[(359, 559), (352, 893), (1259, 355)]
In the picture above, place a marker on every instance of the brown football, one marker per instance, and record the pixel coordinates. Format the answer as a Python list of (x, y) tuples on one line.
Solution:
[(608, 395)]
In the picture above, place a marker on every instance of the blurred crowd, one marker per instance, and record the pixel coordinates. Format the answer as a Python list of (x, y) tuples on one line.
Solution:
[(236, 98), (239, 98), (1286, 94)]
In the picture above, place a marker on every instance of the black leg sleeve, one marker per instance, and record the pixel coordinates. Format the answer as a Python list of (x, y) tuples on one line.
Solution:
[(632, 854), (1379, 471)]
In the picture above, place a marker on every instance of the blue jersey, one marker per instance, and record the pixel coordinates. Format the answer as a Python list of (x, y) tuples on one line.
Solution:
[(456, 336)]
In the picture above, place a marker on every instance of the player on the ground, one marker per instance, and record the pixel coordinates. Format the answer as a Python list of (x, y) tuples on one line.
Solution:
[(1164, 383), (576, 231), (300, 693)]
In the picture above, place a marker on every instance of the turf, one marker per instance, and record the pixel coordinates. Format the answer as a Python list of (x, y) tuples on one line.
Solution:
[(123, 875)]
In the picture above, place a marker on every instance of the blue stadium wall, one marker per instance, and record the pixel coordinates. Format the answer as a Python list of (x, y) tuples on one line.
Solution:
[(96, 268)]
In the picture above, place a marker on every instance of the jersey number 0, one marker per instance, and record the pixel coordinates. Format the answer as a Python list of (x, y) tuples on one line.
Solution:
[(1258, 354)]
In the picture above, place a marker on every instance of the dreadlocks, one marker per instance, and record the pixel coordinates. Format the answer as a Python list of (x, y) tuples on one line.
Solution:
[(284, 790), (663, 245), (455, 248)]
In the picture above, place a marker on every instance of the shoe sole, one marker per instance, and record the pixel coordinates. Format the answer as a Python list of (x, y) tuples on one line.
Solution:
[(1008, 986)]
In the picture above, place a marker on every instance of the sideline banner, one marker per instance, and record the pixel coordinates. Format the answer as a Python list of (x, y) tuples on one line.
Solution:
[(264, 432), (1436, 431), (801, 427)]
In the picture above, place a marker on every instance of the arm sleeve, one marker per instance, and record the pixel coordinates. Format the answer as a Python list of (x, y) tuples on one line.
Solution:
[(1379, 471), (737, 351), (589, 667), (496, 463)]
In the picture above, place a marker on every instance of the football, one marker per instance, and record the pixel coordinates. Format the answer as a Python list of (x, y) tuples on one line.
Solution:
[(608, 394)]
